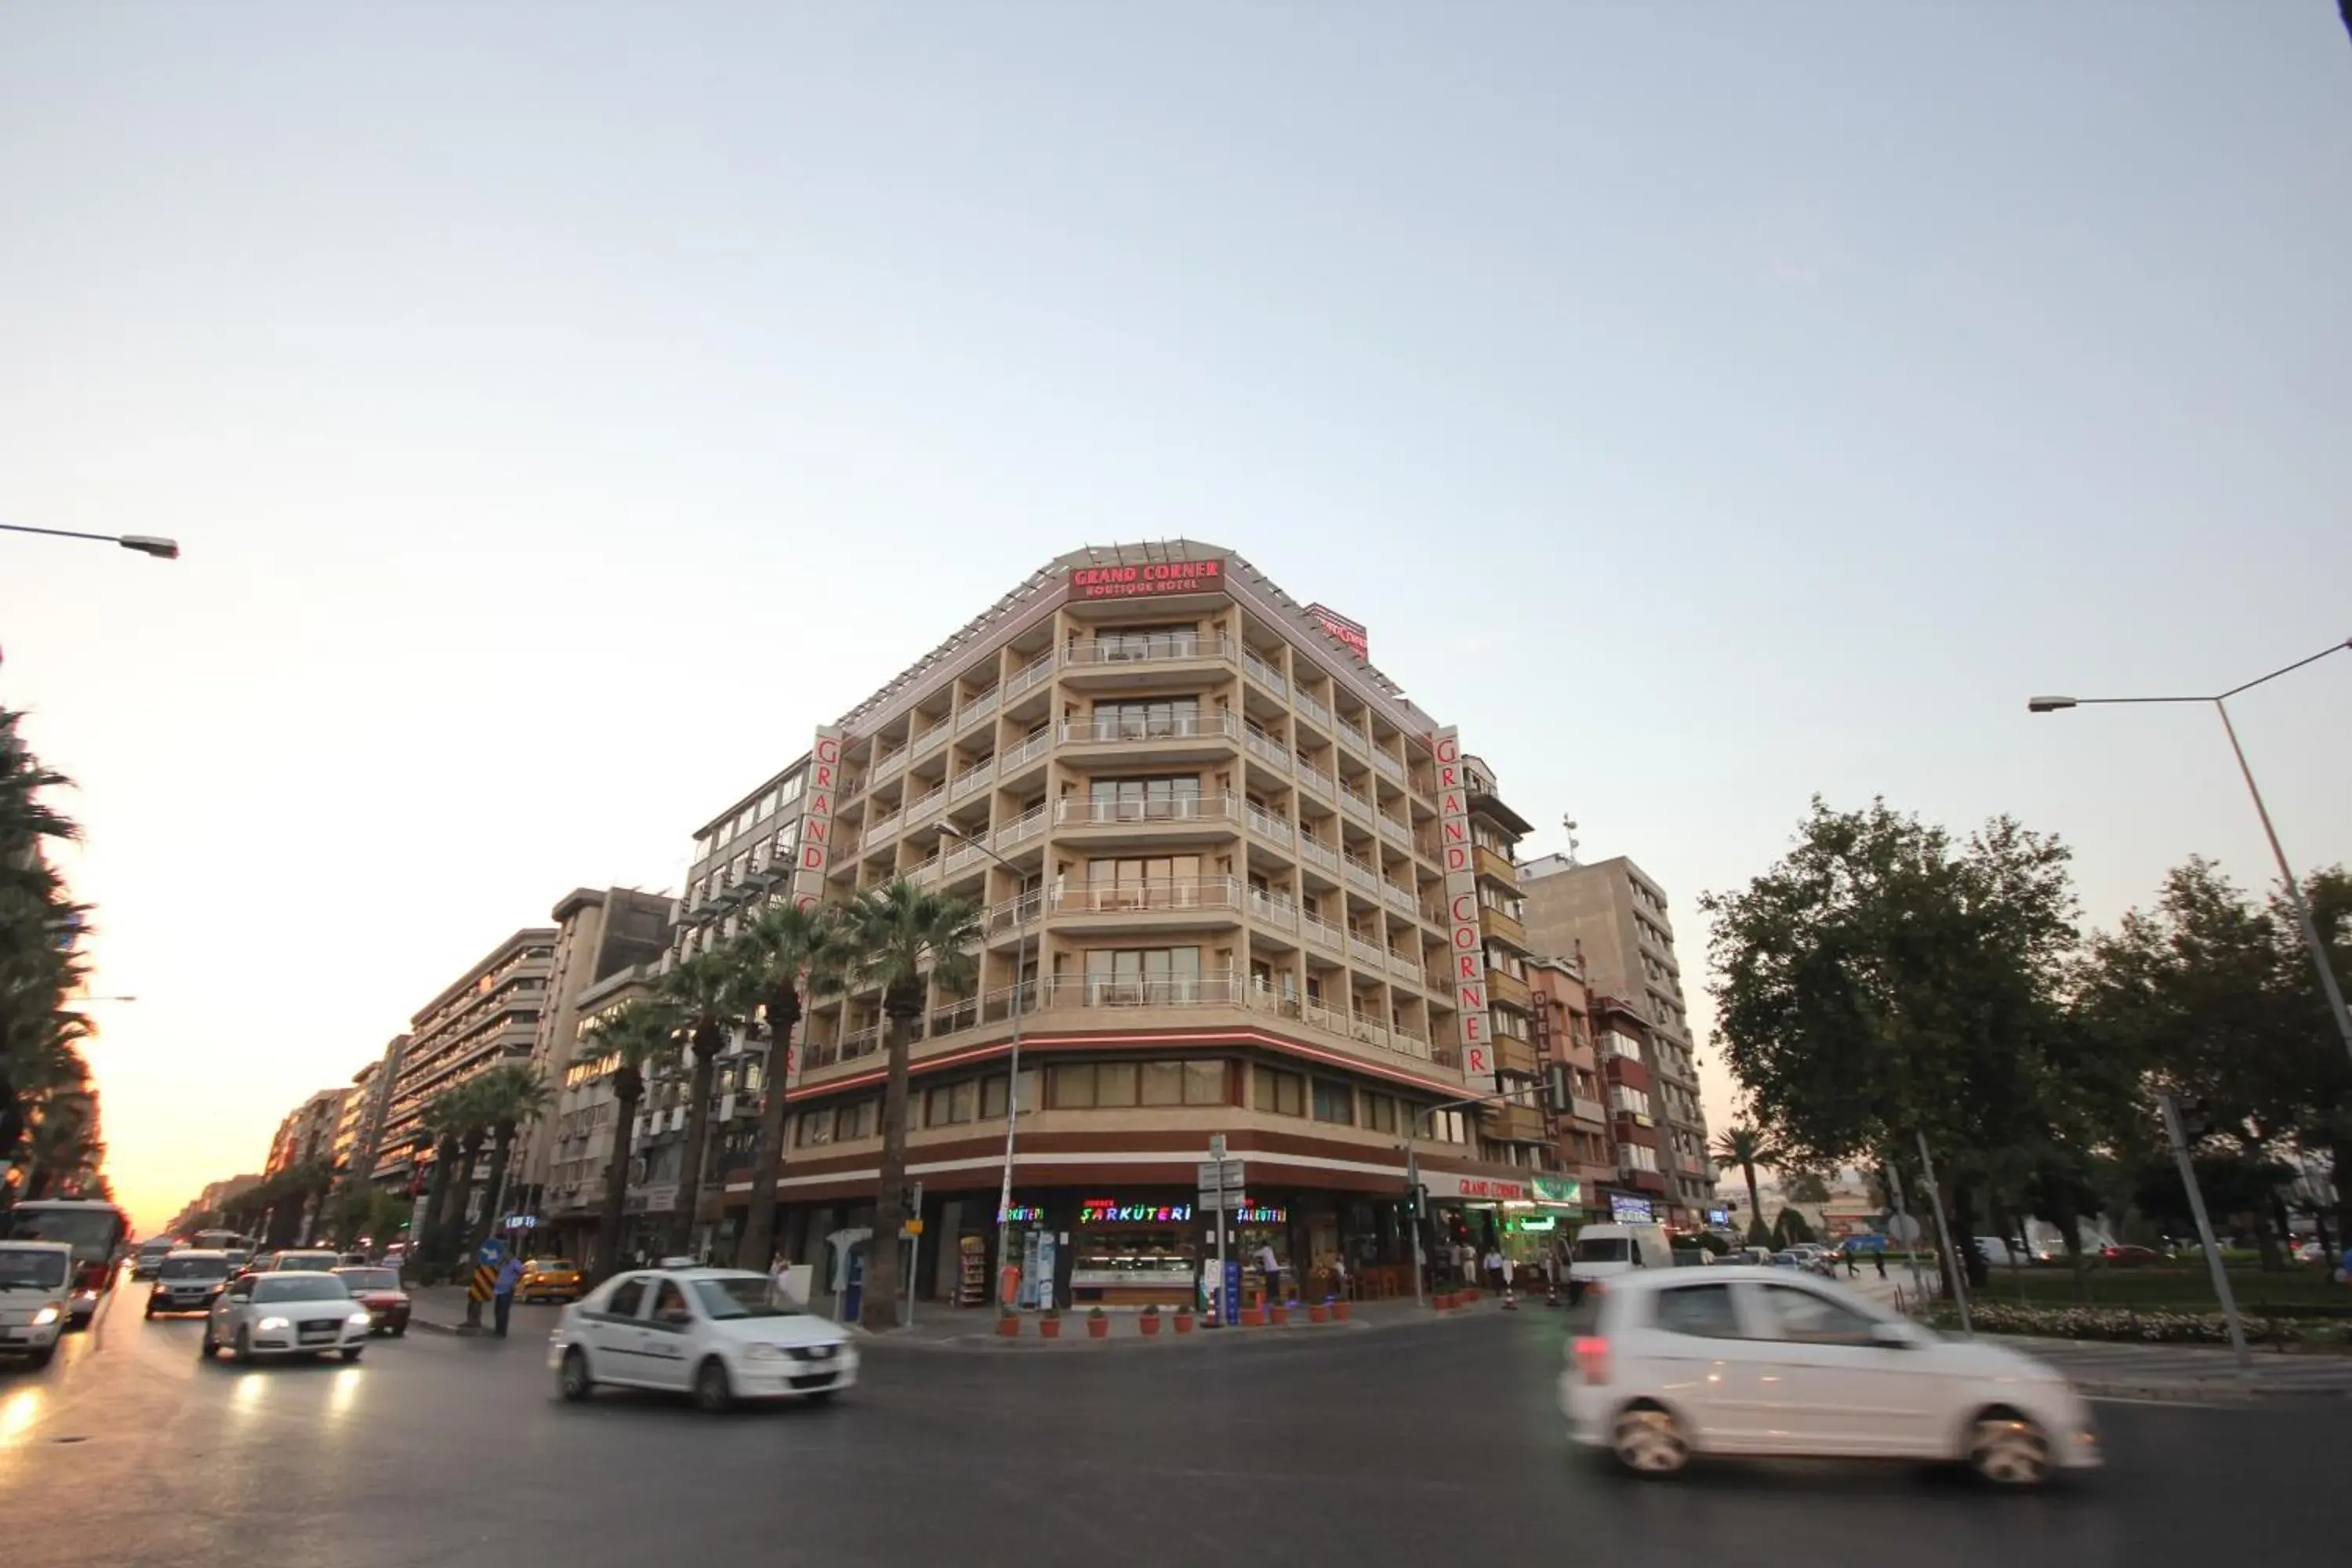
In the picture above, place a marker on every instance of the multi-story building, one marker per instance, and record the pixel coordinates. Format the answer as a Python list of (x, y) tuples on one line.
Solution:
[(361, 1126), (1612, 916), (581, 1122), (306, 1135), (1207, 842), (600, 933), (488, 1014), (1561, 1011)]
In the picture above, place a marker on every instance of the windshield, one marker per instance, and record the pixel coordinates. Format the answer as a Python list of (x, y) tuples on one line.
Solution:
[(300, 1287), (1601, 1249), (23, 1270), (92, 1231), (307, 1260), (751, 1295), (155, 1249), (552, 1265), (194, 1269), (369, 1279)]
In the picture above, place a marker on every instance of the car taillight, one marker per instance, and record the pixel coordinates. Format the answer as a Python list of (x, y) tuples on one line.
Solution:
[(1593, 1359)]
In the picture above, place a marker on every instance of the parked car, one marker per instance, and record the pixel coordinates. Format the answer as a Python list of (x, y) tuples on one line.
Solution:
[(2124, 1255), (1769, 1362), (36, 1297), (549, 1279), (286, 1312), (188, 1281), (378, 1291), (722, 1334)]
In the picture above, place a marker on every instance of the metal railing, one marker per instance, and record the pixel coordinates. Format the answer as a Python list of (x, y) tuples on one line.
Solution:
[(1218, 989), (1190, 726), (1316, 779), (1273, 908), (1008, 914), (1160, 647), (979, 706), (1153, 893), (934, 736), (1370, 953), (1353, 736), (1317, 929), (1266, 825), (1036, 672), (1395, 832), (1214, 807), (1357, 801), (1265, 748), (1404, 968), (976, 777), (1313, 710), (1361, 874), (1022, 829), (1400, 898), (1388, 765), (1034, 744), (1264, 674), (1315, 852)]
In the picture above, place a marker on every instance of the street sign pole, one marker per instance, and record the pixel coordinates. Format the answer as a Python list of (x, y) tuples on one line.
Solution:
[(2228, 1299), (1413, 1220), (914, 1253), (1952, 1260)]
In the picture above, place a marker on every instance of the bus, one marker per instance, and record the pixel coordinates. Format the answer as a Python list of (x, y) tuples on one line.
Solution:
[(237, 1246), (96, 1231)]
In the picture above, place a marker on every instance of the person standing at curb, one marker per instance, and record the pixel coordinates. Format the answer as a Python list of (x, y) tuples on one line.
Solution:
[(502, 1294)]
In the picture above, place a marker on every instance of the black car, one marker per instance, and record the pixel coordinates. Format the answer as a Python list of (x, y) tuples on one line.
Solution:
[(187, 1280)]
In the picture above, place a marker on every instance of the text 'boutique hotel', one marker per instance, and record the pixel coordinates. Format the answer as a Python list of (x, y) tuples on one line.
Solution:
[(1243, 887)]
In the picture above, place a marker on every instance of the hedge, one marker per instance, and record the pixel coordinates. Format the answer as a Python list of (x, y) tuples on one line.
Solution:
[(2117, 1323)]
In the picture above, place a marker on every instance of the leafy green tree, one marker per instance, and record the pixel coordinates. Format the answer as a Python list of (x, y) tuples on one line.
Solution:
[(637, 1039), (901, 939), (711, 991), (1803, 1186), (789, 953), (1885, 979), (1791, 1227)]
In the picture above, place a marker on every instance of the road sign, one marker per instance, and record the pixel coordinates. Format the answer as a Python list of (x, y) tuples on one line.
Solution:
[(1215, 1174), (1216, 1146), (485, 1283), (491, 1253)]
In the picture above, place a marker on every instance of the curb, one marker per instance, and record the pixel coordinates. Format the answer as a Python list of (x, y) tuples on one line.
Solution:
[(2202, 1392), (983, 1342)]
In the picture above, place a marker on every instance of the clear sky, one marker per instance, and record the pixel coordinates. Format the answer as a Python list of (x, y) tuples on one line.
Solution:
[(564, 408)]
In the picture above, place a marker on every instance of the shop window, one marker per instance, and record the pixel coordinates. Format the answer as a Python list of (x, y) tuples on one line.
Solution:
[(1071, 1087), (1283, 1093), (1335, 1102)]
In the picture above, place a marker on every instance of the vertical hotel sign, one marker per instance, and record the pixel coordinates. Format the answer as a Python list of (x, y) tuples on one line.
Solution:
[(1465, 942), (815, 857)]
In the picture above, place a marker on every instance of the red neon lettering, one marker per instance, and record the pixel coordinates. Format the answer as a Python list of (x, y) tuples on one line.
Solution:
[(819, 828), (1465, 909), (811, 858), (1448, 748), (1474, 1026), (820, 803), (1449, 778), (1471, 996), (829, 750), (1469, 962), (1456, 831), (1452, 805), (1456, 858), (823, 774), (1465, 938)]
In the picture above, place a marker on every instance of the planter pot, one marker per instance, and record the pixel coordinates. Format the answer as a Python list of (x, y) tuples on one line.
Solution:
[(1339, 1312), (1098, 1328), (1253, 1317), (1183, 1322), (1049, 1328), (1008, 1328), (1277, 1316), (1149, 1324), (1442, 1301), (1319, 1313)]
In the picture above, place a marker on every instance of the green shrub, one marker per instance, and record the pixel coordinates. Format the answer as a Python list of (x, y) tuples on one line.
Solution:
[(2123, 1324)]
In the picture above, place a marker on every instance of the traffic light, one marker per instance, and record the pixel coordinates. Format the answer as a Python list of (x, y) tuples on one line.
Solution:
[(1556, 1087), (2195, 1119), (1416, 1201)]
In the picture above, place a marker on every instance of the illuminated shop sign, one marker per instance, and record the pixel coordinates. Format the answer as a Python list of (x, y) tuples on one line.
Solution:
[(1021, 1214), (815, 838), (1627, 1210), (1718, 1216), (1109, 1211), (1261, 1214), (1537, 1222), (1466, 941), (1147, 581), (1349, 632)]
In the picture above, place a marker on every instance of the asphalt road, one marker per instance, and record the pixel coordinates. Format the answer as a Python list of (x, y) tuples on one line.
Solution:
[(1427, 1443)]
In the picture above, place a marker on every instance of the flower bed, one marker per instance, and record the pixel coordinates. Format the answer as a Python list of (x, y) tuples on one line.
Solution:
[(2122, 1323)]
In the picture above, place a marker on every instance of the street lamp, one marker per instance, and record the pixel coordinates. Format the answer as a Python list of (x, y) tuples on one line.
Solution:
[(1012, 1065), (145, 543), (2319, 960)]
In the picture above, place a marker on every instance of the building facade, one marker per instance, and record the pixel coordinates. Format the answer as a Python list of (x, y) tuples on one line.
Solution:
[(579, 1124), (1208, 843), (306, 1134), (1611, 916), (361, 1127), (488, 1014), (1561, 1011)]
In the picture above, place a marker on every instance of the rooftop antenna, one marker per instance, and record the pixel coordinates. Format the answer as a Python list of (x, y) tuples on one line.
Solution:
[(1570, 823)]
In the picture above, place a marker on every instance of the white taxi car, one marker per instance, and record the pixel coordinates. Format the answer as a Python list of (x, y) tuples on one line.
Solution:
[(34, 1296), (722, 1334), (1769, 1362)]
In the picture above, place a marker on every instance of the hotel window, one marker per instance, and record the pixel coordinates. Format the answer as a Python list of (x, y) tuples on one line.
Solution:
[(1629, 1100), (1283, 1093), (949, 1103), (1379, 1112), (992, 1095), (1159, 799), (815, 1128), (859, 1119), (1335, 1102), (1117, 643), (1136, 721), (1133, 976), (1143, 882)]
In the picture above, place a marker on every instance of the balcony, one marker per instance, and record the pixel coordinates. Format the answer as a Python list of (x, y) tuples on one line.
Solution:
[(1318, 781), (1121, 654), (1513, 1123), (1389, 767), (1487, 863), (1357, 801), (1267, 825), (1396, 833), (1033, 746), (1170, 895), (976, 707), (1264, 674), (937, 735), (1405, 969), (1322, 932), (1400, 900), (1354, 737), (1179, 810), (973, 779), (1508, 990), (1012, 914), (1272, 910), (1585, 1110), (1266, 749), (923, 810), (1515, 1054), (1503, 928), (1155, 735), (1030, 676), (1312, 710), (1315, 852), (1403, 1045), (1020, 829), (1101, 991), (1369, 954)]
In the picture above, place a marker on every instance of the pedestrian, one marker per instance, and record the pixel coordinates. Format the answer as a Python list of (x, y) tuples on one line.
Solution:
[(1271, 1267), (1853, 1264), (502, 1296), (1878, 1260), (1339, 1276), (1494, 1270)]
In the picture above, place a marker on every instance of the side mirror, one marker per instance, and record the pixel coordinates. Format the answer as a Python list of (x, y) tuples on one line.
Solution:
[(1891, 1336)]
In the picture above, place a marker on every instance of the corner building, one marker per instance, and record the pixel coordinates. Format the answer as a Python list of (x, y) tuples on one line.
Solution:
[(1218, 893)]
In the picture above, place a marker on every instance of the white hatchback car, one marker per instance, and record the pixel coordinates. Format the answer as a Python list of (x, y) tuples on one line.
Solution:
[(286, 1312), (1769, 1362), (722, 1334)]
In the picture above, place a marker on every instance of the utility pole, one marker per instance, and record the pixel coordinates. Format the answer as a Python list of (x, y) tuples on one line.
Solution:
[(1952, 1260), (2173, 1135)]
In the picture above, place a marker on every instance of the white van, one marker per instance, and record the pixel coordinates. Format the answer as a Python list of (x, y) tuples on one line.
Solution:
[(35, 1282), (1603, 1251)]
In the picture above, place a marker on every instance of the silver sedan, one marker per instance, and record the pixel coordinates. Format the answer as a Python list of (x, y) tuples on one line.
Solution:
[(289, 1313)]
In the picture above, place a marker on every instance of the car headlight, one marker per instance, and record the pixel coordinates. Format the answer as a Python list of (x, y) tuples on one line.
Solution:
[(763, 1352), (47, 1315), (359, 1320), (269, 1323)]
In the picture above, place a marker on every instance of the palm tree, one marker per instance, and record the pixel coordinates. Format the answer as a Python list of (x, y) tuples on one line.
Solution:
[(1745, 1148), (512, 1095), (450, 1116), (900, 936), (635, 1037), (707, 989), (787, 952)]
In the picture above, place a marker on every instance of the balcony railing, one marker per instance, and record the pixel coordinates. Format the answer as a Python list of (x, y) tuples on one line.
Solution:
[(1264, 674), (922, 809), (1215, 807), (1265, 825), (1159, 648), (1034, 744), (1400, 898), (1316, 779), (979, 706), (881, 827), (1354, 736), (1585, 1110), (1155, 893), (1396, 832), (1405, 969), (1315, 852), (1265, 748), (885, 766), (1388, 765), (1367, 952), (1220, 989), (1022, 829), (1322, 930), (1361, 874), (1033, 674), (1272, 909), (1313, 710), (1357, 801), (1223, 722), (972, 779), (1010, 915), (936, 735)]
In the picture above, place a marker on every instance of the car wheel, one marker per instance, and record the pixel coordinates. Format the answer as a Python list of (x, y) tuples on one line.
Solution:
[(1649, 1442), (572, 1381), (151, 1309), (41, 1358), (2007, 1450), (398, 1329), (350, 1353), (242, 1352), (712, 1391), (822, 1396), (207, 1347)]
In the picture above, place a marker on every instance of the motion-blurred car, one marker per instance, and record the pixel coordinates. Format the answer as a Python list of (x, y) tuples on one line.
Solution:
[(308, 1259), (549, 1279), (35, 1295), (188, 1281), (2124, 1255), (722, 1334), (378, 1291), (150, 1257), (286, 1312), (1768, 1362)]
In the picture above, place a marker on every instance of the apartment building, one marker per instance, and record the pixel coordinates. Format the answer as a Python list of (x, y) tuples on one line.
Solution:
[(1612, 916), (488, 1014), (361, 1126), (1561, 1009), (1209, 843), (306, 1134), (581, 1125), (599, 933)]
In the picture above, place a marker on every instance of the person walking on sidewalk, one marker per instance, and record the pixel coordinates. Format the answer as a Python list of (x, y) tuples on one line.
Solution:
[(1853, 1264), (502, 1294), (1878, 1257)]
